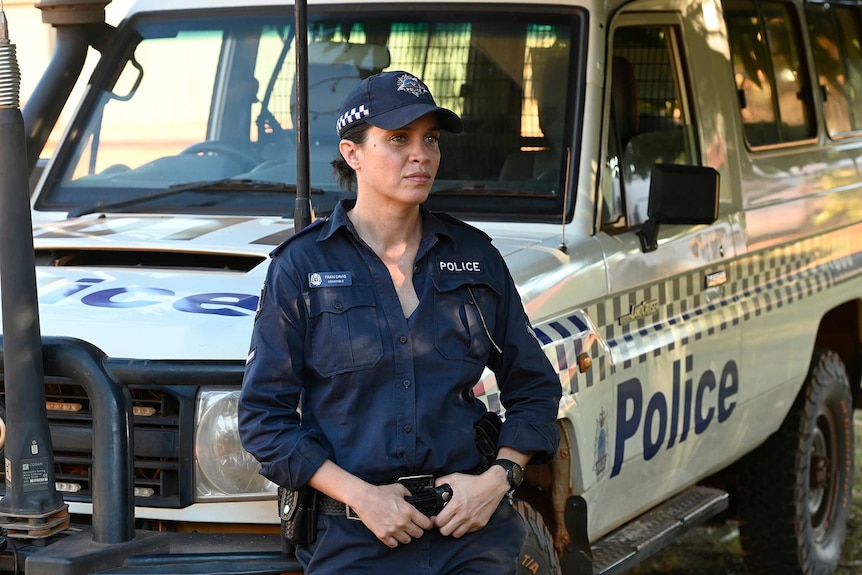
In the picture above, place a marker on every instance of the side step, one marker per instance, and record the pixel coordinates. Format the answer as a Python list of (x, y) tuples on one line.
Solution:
[(635, 541)]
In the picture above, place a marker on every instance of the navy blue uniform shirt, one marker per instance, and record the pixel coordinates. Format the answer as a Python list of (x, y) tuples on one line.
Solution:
[(379, 394)]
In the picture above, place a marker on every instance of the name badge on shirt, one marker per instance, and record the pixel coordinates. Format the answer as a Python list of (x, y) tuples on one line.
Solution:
[(329, 279)]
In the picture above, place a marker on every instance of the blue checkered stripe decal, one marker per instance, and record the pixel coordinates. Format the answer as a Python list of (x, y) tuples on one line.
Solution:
[(564, 340), (758, 284), (782, 277)]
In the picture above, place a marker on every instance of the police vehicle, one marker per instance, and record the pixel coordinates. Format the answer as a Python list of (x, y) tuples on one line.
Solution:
[(674, 184)]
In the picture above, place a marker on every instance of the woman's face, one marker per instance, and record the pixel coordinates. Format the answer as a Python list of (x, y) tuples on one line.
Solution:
[(397, 165)]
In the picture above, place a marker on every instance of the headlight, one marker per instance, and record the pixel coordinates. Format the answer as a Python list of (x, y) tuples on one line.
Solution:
[(224, 468)]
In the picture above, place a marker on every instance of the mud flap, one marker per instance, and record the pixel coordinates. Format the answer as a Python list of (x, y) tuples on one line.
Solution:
[(577, 558)]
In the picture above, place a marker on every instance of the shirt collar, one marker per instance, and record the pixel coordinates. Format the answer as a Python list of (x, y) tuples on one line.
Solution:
[(432, 226)]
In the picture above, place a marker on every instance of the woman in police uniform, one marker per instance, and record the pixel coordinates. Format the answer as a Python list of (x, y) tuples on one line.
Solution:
[(376, 323)]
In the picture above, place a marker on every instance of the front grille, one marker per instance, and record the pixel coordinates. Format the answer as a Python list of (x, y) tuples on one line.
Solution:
[(163, 436)]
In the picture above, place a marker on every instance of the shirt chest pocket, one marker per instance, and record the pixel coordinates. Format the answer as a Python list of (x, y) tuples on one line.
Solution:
[(345, 334), (464, 318)]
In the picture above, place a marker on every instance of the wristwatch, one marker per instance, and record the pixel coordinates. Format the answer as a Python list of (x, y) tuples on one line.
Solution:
[(514, 473)]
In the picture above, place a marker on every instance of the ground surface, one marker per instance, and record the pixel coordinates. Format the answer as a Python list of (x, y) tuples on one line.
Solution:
[(716, 550)]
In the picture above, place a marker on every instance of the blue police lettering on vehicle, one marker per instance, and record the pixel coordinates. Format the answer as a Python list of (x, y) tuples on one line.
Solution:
[(687, 403), (69, 290), (657, 407), (119, 297), (220, 303)]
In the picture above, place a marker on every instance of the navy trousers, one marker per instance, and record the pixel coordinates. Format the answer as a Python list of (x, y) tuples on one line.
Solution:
[(345, 546)]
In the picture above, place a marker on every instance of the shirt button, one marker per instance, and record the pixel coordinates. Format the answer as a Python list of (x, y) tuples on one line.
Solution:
[(406, 384), (338, 305), (408, 428), (403, 339), (416, 269)]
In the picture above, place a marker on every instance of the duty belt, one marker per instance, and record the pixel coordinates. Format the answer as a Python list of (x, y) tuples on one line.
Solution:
[(329, 506), (423, 496)]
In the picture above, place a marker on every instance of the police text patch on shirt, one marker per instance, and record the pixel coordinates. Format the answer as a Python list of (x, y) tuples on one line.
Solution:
[(329, 279), (458, 266)]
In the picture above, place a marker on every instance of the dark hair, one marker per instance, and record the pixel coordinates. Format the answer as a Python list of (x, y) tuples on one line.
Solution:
[(345, 175)]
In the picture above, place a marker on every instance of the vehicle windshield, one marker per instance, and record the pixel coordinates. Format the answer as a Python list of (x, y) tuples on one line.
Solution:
[(211, 99)]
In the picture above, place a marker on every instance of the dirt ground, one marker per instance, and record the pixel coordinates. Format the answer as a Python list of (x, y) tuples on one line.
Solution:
[(716, 550)]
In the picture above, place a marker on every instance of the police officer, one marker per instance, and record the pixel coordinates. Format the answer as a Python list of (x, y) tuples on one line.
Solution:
[(373, 328)]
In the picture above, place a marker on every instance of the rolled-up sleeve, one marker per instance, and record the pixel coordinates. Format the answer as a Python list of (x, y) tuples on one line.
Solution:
[(530, 389), (269, 419)]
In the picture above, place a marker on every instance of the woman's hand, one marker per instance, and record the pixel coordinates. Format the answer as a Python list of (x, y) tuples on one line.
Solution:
[(384, 511), (474, 500), (381, 508)]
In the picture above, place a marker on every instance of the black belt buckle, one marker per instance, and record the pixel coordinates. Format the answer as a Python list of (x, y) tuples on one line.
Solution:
[(429, 500)]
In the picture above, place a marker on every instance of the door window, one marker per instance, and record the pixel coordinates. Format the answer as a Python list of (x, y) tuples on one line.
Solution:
[(649, 121)]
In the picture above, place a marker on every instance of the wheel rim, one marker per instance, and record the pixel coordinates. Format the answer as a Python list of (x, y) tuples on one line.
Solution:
[(823, 474)]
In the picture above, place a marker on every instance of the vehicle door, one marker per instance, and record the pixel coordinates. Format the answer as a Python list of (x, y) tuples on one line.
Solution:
[(672, 324)]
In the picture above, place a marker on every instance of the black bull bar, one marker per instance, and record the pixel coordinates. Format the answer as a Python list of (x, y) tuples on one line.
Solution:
[(112, 541)]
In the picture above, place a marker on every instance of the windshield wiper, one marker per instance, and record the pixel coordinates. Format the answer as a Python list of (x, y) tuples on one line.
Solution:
[(226, 184)]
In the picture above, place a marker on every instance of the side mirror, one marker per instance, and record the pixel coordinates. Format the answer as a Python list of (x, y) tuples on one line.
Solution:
[(679, 194)]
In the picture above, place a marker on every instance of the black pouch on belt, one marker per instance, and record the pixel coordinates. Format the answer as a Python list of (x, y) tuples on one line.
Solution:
[(429, 500), (298, 512), (487, 432)]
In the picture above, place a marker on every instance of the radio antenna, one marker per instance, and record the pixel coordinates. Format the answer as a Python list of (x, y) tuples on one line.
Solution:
[(302, 213), (563, 248)]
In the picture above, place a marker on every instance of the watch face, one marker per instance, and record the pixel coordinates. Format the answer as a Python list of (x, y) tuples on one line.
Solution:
[(514, 472), (517, 474)]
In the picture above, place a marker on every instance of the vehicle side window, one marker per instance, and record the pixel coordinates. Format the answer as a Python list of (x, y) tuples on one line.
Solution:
[(771, 80), (649, 119), (835, 31)]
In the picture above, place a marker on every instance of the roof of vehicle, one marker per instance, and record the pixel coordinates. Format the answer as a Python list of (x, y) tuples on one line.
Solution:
[(165, 5)]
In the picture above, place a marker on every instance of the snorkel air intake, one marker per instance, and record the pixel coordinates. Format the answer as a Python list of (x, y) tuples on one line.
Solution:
[(31, 507)]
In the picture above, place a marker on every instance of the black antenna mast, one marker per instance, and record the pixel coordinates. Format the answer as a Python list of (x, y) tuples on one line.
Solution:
[(302, 211)]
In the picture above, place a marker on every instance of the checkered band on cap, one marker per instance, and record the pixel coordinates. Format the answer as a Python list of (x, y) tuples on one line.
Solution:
[(353, 115)]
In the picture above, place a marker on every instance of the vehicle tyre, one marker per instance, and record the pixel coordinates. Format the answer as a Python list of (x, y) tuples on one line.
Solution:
[(795, 490), (537, 555)]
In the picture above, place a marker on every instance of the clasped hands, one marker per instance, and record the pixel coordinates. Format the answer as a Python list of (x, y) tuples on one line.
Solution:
[(386, 512)]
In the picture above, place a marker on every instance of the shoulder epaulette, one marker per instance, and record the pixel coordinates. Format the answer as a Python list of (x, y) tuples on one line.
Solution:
[(307, 229), (453, 220)]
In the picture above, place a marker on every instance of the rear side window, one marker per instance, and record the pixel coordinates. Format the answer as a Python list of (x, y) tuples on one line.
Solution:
[(835, 34), (771, 81)]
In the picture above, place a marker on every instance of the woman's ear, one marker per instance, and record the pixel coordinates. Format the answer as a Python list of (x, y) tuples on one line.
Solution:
[(348, 152)]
